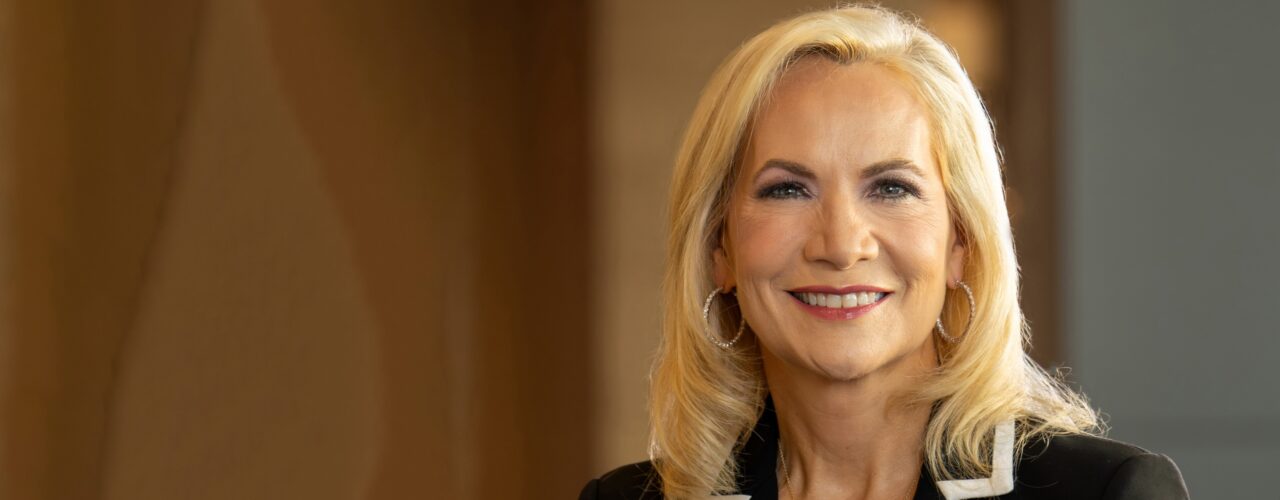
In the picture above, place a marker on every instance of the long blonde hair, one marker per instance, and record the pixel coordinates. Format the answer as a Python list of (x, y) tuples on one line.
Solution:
[(704, 400)]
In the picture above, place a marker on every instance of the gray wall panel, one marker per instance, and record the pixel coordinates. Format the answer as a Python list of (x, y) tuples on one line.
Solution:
[(1172, 193)]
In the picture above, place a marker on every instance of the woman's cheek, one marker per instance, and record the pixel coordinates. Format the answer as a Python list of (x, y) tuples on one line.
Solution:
[(763, 235), (919, 246)]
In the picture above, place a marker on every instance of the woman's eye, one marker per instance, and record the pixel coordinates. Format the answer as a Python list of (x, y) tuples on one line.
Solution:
[(892, 189), (783, 190)]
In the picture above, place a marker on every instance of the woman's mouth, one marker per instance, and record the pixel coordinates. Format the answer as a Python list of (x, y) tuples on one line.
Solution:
[(834, 306), (834, 301)]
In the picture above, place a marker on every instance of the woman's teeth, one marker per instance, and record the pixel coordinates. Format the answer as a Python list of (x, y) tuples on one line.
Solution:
[(839, 301)]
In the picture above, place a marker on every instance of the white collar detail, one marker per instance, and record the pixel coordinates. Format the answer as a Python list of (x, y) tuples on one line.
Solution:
[(1001, 480)]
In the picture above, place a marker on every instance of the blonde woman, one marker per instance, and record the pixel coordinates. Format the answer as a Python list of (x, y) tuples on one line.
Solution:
[(841, 312)]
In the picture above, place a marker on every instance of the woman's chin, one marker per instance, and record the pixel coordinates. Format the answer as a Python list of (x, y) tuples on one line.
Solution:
[(846, 363), (840, 373), (843, 368)]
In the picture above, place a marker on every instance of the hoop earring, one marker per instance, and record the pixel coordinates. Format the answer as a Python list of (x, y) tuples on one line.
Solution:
[(706, 316), (973, 309)]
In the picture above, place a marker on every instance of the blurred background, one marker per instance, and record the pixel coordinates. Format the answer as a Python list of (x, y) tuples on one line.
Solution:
[(401, 249)]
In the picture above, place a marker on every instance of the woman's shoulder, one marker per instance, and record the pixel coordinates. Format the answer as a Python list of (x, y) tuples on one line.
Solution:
[(637, 481), (1088, 466)]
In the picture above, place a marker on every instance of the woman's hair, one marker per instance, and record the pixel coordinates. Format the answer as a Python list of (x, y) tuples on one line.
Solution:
[(705, 400)]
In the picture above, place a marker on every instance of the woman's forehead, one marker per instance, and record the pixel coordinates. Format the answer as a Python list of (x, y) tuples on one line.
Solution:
[(852, 114)]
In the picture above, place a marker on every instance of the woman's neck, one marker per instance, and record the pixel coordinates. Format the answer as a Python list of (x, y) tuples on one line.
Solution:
[(849, 439)]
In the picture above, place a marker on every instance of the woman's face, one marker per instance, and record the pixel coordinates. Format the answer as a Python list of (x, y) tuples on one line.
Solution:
[(839, 193)]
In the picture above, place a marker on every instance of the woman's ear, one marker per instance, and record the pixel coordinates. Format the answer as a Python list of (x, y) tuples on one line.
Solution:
[(723, 269), (956, 258)]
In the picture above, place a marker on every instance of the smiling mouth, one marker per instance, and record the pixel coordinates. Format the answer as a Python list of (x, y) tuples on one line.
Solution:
[(835, 301)]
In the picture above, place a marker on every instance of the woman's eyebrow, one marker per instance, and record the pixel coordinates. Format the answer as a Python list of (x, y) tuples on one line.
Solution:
[(875, 169), (883, 166), (789, 166)]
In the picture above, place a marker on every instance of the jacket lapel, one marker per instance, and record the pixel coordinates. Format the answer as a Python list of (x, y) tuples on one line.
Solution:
[(758, 459), (1001, 480)]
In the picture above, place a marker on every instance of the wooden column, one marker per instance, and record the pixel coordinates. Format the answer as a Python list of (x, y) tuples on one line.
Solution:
[(1029, 133)]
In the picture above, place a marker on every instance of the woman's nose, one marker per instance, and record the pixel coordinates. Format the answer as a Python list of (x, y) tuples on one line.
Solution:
[(841, 237)]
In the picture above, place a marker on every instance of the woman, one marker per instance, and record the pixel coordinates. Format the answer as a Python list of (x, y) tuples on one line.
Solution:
[(841, 295)]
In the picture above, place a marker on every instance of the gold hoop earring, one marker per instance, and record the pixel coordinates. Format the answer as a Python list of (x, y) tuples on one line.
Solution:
[(973, 309), (706, 316)]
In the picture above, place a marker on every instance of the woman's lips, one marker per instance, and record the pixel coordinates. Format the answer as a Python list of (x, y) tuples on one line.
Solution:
[(842, 313)]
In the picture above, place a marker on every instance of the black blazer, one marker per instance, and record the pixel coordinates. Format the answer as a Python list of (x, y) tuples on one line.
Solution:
[(1066, 468)]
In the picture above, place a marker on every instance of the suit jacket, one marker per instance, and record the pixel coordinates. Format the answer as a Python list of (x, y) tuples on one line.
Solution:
[(1065, 467)]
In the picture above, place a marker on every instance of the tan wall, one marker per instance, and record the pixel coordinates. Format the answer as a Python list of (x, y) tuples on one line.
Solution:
[(263, 249)]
